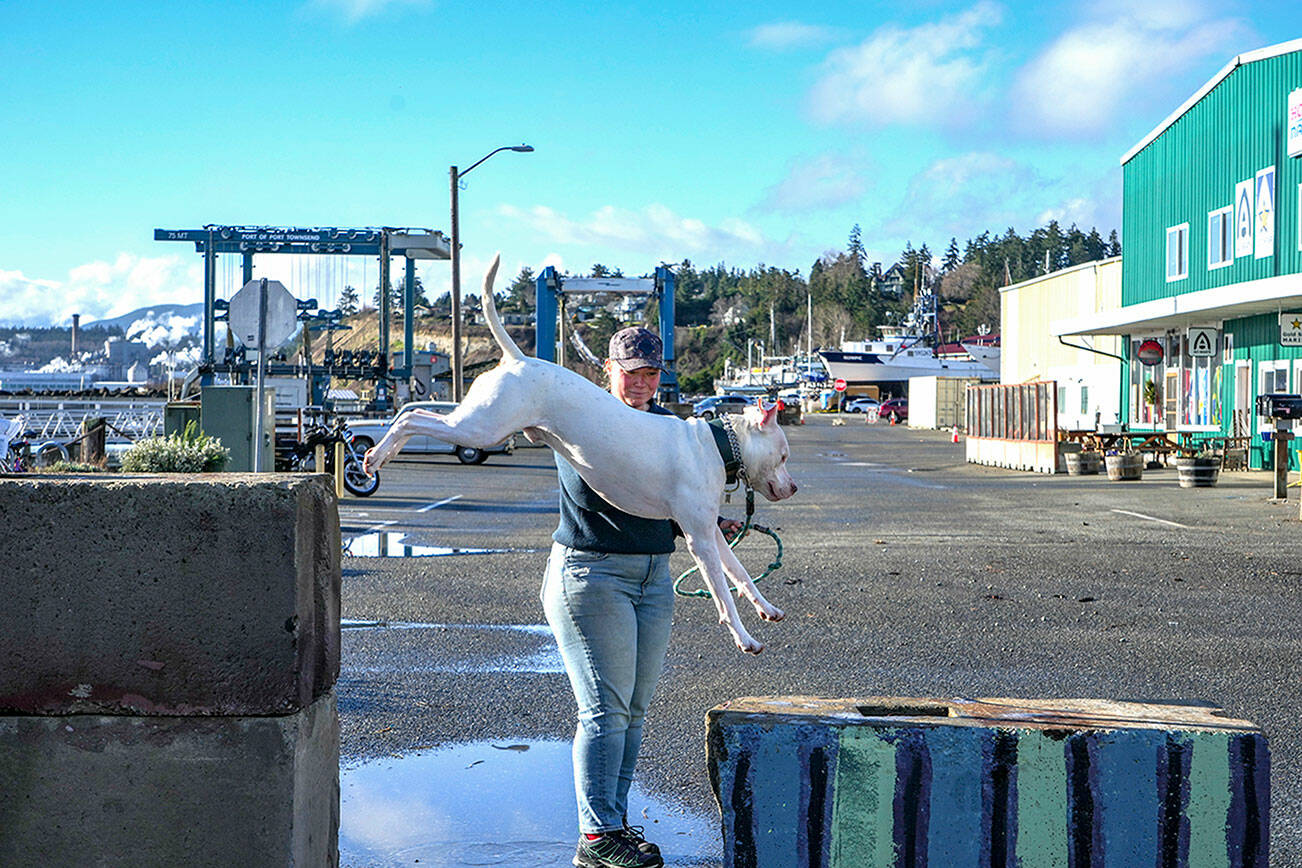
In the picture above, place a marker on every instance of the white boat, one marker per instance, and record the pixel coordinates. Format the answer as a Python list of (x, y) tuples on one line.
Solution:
[(984, 350), (771, 374), (910, 350)]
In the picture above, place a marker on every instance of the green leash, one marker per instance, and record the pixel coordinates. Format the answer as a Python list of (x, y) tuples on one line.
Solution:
[(746, 528)]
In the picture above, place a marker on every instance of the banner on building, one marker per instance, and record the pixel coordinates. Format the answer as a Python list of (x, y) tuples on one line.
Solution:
[(1290, 329), (1295, 123), (1265, 207), (1202, 342), (1243, 217)]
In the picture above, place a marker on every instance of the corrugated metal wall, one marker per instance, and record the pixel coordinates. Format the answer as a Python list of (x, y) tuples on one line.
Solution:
[(1191, 169)]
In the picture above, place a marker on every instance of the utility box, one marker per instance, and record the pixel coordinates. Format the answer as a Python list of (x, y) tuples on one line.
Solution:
[(178, 414), (228, 413)]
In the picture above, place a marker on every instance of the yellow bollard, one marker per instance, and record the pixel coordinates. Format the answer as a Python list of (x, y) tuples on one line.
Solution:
[(339, 469), (319, 458)]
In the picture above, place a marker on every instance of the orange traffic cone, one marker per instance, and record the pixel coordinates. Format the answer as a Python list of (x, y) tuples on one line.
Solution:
[(893, 418), (953, 434)]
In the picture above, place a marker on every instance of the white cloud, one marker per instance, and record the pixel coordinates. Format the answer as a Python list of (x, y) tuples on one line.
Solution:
[(1102, 67), (823, 182), (654, 233), (355, 10), (933, 74), (100, 290), (963, 196), (785, 35)]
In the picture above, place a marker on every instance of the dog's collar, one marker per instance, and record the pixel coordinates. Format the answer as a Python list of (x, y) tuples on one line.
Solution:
[(725, 440)]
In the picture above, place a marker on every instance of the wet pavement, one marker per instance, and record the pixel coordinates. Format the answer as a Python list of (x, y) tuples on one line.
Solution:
[(451, 806), (907, 573)]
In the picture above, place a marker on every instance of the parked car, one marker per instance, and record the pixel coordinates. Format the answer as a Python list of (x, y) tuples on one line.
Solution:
[(897, 407), (862, 405), (718, 405), (367, 432)]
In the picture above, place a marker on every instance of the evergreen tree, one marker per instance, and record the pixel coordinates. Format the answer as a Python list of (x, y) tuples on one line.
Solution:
[(520, 294), (951, 257), (349, 301), (1114, 244), (855, 247)]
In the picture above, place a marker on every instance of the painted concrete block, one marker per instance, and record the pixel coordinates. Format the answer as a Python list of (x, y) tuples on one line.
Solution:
[(169, 791), (168, 595), (987, 783)]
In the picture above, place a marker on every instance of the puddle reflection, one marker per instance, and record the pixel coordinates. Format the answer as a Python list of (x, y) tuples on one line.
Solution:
[(376, 646), (507, 802), (388, 544)]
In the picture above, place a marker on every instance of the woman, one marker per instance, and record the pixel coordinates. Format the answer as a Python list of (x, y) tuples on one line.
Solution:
[(609, 599)]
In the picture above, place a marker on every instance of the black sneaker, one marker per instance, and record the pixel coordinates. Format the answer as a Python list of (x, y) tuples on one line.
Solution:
[(634, 833), (614, 849)]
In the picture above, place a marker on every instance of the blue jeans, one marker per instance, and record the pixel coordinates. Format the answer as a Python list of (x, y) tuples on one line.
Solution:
[(611, 614)]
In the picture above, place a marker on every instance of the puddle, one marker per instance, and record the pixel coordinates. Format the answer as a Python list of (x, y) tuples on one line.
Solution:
[(398, 646), (389, 544), (505, 802)]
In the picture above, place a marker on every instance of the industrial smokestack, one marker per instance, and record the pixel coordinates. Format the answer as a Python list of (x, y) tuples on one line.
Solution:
[(76, 325)]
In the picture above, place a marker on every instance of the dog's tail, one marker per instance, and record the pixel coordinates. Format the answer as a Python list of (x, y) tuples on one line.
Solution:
[(509, 349)]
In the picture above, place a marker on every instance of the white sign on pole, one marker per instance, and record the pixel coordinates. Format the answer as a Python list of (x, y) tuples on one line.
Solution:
[(282, 314), (1295, 123), (1265, 223), (1243, 217), (1290, 329), (1202, 341)]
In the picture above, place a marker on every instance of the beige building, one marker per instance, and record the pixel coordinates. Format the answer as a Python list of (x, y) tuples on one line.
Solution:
[(1087, 370)]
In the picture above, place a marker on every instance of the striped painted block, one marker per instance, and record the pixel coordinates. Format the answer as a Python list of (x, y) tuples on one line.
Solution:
[(804, 782)]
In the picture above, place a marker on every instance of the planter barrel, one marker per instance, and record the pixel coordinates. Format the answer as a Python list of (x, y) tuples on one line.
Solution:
[(1083, 463), (1129, 465), (1197, 472)]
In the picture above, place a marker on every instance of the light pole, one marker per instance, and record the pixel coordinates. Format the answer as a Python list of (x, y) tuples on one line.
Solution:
[(456, 176)]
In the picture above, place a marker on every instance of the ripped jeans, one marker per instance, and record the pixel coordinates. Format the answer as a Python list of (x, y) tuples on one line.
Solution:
[(611, 615)]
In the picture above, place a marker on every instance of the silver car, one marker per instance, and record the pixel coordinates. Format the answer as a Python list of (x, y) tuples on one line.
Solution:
[(367, 432)]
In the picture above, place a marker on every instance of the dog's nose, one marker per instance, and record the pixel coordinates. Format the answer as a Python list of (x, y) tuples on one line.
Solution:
[(794, 488)]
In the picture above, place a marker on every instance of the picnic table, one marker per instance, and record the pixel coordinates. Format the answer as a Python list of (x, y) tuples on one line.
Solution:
[(1162, 444)]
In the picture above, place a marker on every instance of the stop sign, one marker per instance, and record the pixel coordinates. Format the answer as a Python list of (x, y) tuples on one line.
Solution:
[(245, 310), (839, 385)]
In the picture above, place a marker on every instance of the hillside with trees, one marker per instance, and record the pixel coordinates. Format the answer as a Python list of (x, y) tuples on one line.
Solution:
[(719, 309)]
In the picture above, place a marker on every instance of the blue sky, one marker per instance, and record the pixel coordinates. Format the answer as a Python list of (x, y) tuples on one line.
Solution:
[(742, 133)]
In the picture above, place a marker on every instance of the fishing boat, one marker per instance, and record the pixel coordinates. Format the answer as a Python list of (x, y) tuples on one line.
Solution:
[(910, 350)]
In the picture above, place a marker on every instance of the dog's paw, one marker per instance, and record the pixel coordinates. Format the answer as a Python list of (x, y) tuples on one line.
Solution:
[(771, 613), (749, 644)]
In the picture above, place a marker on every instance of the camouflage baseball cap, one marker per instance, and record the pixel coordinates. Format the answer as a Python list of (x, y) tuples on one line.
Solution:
[(635, 347)]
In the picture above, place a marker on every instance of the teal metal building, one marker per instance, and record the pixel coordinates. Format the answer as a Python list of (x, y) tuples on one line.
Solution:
[(1211, 284)]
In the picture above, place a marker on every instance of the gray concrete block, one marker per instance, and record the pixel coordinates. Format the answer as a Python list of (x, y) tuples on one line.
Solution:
[(168, 595), (168, 791)]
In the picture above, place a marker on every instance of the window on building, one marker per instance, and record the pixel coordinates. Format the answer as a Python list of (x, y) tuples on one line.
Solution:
[(1177, 252), (1084, 400), (1145, 388), (1220, 240)]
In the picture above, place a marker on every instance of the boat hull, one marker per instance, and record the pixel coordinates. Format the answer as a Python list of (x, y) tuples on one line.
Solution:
[(861, 368)]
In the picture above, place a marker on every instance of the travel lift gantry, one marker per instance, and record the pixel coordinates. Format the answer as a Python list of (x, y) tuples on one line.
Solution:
[(551, 289), (384, 243)]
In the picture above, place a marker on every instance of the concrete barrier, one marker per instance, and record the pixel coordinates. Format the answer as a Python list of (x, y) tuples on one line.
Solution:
[(180, 595), (170, 648), (988, 783)]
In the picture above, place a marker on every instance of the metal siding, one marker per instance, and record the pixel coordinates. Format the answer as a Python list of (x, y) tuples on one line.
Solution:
[(1191, 168)]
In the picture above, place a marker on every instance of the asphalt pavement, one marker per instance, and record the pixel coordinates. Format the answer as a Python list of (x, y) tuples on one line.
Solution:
[(907, 572)]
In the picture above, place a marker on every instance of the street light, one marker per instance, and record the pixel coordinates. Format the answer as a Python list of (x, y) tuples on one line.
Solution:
[(456, 176)]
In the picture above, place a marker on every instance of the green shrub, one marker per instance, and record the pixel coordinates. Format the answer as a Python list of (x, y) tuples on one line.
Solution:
[(188, 452), (73, 467)]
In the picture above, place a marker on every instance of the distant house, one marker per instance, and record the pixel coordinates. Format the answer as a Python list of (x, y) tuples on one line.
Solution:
[(891, 283)]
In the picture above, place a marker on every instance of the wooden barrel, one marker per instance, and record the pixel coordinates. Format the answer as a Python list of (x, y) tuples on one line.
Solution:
[(1197, 472), (1129, 465), (1083, 463)]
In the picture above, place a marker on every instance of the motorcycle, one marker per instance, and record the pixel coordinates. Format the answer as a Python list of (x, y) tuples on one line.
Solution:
[(299, 456)]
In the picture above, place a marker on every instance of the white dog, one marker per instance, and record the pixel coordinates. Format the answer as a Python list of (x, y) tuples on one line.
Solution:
[(674, 472)]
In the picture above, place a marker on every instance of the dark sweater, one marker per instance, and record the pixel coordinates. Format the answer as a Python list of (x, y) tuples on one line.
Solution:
[(591, 524)]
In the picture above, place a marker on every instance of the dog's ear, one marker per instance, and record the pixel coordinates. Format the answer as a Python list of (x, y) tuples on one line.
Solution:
[(770, 414)]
